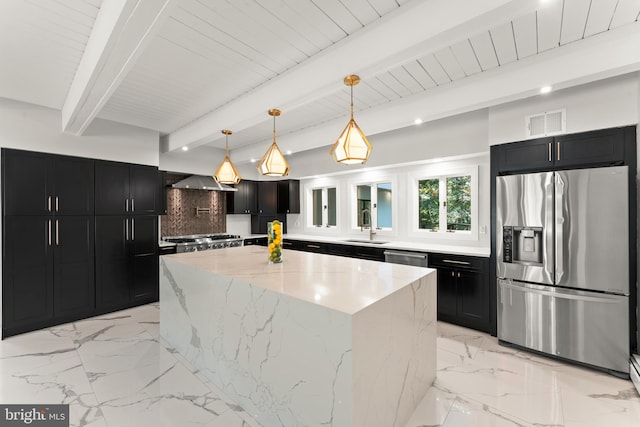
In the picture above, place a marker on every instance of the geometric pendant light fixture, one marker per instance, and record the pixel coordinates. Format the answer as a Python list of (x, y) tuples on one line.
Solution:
[(273, 162), (227, 172), (352, 146)]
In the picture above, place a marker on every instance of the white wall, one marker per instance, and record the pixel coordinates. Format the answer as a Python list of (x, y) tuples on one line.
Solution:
[(603, 104), (453, 136), (29, 127)]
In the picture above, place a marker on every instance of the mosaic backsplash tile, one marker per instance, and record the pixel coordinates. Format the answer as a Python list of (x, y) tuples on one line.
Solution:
[(193, 211)]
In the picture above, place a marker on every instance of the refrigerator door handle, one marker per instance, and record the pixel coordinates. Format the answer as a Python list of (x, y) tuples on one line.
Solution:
[(563, 294), (559, 235), (548, 231)]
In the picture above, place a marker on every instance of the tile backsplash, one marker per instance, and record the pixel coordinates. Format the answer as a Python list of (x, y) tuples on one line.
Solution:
[(193, 211)]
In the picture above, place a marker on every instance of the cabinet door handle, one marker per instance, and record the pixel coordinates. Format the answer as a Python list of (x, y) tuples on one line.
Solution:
[(313, 246), (126, 230), (49, 232), (57, 205), (549, 144), (57, 232), (126, 205), (133, 229), (458, 274), (453, 274), (558, 149), (49, 204), (133, 206), (452, 261)]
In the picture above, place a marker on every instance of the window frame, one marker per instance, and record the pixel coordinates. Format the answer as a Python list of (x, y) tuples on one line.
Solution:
[(442, 175), (354, 228), (308, 200)]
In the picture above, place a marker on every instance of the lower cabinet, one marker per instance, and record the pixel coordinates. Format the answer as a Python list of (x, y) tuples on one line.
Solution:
[(48, 271), (251, 241), (463, 290), (127, 273), (259, 222)]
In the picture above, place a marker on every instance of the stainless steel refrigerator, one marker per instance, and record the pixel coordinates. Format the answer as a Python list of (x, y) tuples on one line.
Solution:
[(562, 263)]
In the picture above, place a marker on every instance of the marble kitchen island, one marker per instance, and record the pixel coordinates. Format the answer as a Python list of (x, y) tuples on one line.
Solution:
[(317, 340)]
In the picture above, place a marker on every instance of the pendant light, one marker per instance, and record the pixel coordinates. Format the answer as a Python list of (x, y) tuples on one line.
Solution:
[(352, 145), (273, 162), (227, 172)]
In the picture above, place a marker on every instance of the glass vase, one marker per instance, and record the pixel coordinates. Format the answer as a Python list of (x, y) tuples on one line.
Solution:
[(274, 236)]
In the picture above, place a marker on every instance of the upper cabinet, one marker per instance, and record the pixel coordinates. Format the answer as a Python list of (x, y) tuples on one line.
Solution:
[(126, 189), (289, 196), (245, 200), (45, 184), (267, 197), (596, 148)]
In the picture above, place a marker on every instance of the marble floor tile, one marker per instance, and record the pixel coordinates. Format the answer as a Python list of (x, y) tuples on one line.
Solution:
[(115, 371)]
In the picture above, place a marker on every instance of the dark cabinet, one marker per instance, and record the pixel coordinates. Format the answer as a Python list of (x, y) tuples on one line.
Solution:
[(534, 154), (27, 274), (463, 293), (48, 271), (127, 273), (259, 241), (289, 196), (259, 222), (245, 200), (162, 192), (125, 189), (590, 148), (596, 148), (43, 184), (73, 266), (267, 197)]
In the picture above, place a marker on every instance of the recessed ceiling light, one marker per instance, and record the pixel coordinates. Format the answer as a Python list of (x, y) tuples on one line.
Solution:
[(185, 148), (253, 160), (288, 152), (417, 121), (545, 89)]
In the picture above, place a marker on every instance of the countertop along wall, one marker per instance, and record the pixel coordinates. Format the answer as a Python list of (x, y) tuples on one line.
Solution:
[(29, 127)]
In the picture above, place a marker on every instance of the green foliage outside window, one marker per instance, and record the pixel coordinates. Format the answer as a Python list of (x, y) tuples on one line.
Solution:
[(429, 204), (459, 203)]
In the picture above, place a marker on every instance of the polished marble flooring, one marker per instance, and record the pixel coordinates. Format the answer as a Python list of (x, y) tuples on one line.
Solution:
[(115, 371)]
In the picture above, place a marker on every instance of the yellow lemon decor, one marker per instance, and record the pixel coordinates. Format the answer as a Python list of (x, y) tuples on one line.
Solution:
[(274, 234)]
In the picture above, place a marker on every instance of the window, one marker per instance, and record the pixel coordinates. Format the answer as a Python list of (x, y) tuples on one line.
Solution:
[(446, 203), (374, 205), (323, 207)]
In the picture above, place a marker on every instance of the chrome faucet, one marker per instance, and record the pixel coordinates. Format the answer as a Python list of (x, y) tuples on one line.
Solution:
[(365, 213)]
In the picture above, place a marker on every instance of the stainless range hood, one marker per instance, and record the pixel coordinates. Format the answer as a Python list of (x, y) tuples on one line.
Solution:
[(202, 182)]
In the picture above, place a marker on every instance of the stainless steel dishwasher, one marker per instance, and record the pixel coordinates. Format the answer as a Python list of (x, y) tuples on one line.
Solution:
[(407, 258)]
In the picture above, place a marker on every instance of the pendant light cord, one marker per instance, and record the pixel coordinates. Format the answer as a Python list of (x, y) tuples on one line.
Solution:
[(274, 128), (351, 102)]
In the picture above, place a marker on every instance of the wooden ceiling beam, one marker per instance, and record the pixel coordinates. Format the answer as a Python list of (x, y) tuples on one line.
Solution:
[(122, 30)]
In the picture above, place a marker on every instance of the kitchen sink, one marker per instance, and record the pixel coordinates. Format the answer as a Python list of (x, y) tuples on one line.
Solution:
[(375, 242)]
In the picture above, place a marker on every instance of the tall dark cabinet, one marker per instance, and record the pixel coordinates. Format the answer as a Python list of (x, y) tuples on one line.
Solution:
[(128, 269), (79, 238), (48, 240), (127, 206)]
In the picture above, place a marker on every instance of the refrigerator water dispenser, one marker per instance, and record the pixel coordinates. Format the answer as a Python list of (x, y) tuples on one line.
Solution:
[(522, 245)]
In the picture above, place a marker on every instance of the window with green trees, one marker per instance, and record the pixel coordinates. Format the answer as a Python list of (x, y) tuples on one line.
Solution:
[(444, 203)]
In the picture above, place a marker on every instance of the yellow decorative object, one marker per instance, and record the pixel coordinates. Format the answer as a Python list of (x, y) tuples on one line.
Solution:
[(274, 235)]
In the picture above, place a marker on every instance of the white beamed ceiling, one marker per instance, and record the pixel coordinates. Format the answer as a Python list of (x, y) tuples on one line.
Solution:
[(189, 68)]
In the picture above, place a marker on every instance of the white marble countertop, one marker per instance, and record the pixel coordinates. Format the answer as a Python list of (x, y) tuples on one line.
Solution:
[(390, 244), (340, 283)]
